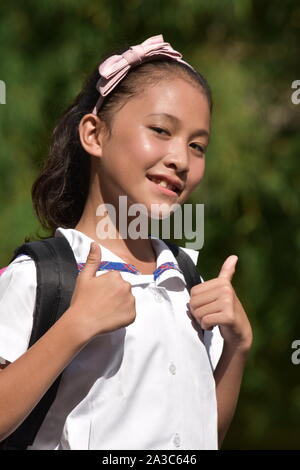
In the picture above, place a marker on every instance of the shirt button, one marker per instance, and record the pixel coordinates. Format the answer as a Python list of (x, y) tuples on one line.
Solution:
[(172, 369), (176, 440)]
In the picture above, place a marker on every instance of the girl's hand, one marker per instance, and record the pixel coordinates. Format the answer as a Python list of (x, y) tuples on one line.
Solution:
[(101, 304), (214, 302)]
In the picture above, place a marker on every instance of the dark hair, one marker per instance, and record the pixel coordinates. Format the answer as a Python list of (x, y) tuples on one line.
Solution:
[(59, 193)]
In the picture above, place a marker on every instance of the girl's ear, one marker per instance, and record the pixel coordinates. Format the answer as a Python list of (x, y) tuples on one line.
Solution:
[(91, 133)]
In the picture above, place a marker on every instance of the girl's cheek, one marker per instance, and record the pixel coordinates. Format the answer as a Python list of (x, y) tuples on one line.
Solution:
[(144, 145), (152, 150), (199, 164), (196, 173)]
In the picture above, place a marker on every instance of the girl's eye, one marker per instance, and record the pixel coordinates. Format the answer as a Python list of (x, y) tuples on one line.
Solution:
[(199, 148), (159, 130)]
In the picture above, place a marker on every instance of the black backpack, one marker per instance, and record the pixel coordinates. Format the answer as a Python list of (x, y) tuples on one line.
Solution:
[(56, 269)]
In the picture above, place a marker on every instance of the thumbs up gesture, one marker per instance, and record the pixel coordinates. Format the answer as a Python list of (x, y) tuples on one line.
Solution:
[(215, 302), (101, 304)]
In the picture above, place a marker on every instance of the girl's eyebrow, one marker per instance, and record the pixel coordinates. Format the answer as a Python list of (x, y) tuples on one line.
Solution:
[(198, 132)]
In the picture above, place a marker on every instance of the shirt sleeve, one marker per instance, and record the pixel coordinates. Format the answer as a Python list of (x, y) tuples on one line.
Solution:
[(17, 304)]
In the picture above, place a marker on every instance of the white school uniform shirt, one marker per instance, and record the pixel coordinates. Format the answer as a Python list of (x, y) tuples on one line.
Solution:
[(148, 385)]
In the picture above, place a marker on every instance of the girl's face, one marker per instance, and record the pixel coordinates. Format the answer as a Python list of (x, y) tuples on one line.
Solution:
[(158, 135)]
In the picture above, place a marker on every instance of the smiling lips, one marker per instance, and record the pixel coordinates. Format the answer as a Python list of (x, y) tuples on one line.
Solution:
[(167, 182)]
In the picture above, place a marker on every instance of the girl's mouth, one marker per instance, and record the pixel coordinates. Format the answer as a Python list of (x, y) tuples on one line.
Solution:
[(163, 186)]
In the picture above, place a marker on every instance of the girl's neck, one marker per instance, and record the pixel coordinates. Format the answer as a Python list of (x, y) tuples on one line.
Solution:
[(132, 251)]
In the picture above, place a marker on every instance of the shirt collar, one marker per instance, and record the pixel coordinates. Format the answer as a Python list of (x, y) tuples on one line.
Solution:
[(80, 244)]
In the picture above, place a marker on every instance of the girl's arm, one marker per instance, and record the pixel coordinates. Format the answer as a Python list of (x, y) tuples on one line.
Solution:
[(215, 303), (228, 377), (26, 380)]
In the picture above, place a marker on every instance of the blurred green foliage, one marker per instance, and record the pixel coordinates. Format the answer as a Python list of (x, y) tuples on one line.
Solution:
[(249, 52)]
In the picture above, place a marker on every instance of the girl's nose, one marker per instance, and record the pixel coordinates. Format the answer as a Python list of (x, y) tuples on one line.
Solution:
[(178, 161)]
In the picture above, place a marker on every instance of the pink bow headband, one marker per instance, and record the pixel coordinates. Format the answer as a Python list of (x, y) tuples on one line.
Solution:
[(115, 68)]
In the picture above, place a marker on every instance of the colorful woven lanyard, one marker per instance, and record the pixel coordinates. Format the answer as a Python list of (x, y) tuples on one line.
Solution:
[(130, 268)]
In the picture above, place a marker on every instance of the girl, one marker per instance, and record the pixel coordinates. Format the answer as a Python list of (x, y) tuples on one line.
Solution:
[(138, 373)]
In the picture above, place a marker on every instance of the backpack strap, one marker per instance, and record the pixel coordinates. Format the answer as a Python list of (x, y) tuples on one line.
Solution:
[(56, 276), (190, 272)]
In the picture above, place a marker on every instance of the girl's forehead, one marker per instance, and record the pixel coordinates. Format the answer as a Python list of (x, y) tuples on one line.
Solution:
[(170, 97), (172, 101), (167, 89)]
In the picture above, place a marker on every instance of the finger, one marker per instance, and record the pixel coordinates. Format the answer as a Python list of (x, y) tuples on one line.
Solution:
[(228, 268), (203, 298), (205, 286), (209, 309), (215, 319), (93, 260)]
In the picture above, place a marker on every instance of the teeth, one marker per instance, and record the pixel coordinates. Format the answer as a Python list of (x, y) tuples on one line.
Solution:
[(163, 183)]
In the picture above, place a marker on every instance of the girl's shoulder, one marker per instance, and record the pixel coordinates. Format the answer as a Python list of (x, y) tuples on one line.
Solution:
[(22, 268)]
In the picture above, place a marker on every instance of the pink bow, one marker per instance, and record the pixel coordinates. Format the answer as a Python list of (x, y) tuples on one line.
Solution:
[(114, 69)]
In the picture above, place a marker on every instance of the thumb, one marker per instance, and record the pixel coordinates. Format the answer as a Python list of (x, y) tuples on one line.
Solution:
[(228, 268), (93, 260)]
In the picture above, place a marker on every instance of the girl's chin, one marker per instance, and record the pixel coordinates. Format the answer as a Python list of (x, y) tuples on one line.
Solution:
[(154, 209), (160, 211)]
